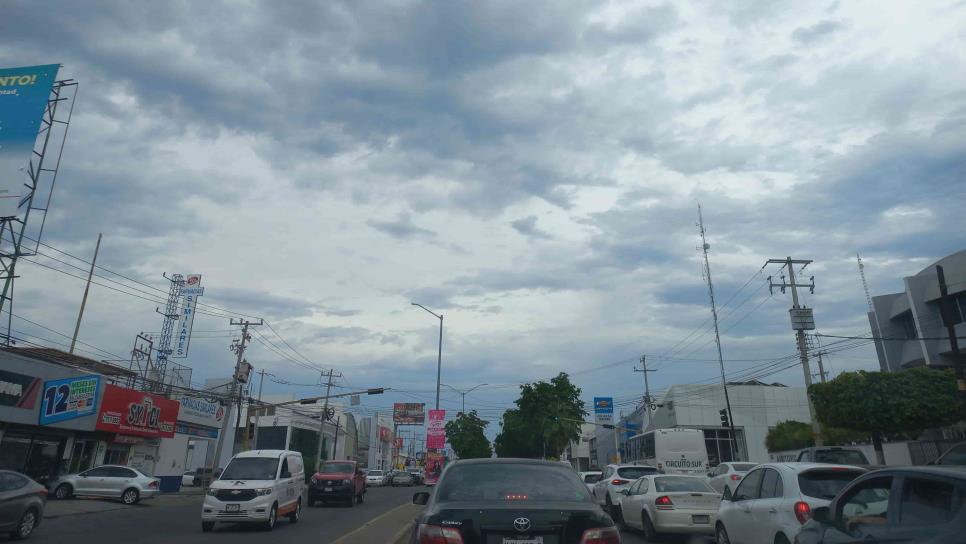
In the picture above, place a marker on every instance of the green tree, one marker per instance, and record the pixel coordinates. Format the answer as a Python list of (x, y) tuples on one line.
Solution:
[(546, 419), (466, 435), (880, 403), (795, 435)]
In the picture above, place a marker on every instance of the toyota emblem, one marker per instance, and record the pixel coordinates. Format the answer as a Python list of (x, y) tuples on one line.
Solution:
[(521, 524)]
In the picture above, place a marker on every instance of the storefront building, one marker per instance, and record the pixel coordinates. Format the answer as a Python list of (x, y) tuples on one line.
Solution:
[(135, 423), (193, 444)]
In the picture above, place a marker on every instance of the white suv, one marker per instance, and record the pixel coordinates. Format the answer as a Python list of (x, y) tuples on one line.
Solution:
[(613, 479), (257, 486), (774, 500)]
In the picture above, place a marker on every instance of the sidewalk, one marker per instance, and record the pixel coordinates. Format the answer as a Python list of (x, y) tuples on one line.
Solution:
[(392, 527), (79, 506)]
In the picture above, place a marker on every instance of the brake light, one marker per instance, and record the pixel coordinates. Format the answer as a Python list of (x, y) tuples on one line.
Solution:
[(517, 497), (432, 534), (154, 484), (660, 467), (735, 477), (802, 511), (603, 535), (663, 503), (618, 481)]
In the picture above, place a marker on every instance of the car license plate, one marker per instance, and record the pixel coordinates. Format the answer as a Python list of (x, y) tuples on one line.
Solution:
[(523, 540), (327, 490), (232, 508), (701, 519)]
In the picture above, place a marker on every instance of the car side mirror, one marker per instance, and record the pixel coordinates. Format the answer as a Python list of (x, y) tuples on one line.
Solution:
[(822, 514), (625, 492), (727, 496), (710, 475), (420, 498)]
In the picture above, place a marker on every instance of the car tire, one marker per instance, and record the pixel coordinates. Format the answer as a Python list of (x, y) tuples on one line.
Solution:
[(361, 497), (781, 539), (614, 511), (272, 518), (352, 501), (721, 535), (28, 522), (130, 496), (64, 491), (294, 516), (207, 526), (650, 533)]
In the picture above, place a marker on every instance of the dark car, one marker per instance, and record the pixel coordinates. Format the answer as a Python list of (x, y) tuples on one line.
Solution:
[(22, 503), (341, 481), (954, 456), (896, 505), (524, 501)]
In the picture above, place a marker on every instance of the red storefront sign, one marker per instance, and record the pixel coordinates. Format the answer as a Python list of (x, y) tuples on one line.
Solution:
[(385, 434), (126, 411)]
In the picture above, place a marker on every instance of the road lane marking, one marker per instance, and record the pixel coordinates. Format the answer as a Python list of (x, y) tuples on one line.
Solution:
[(345, 538)]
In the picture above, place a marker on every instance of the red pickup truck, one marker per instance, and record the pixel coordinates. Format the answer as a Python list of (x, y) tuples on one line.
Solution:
[(341, 481)]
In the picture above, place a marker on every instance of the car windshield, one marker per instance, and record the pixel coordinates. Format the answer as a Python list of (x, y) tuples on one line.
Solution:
[(508, 482), (841, 457), (591, 478), (338, 467), (955, 456), (374, 473), (251, 468), (633, 473), (742, 467), (670, 484), (825, 484)]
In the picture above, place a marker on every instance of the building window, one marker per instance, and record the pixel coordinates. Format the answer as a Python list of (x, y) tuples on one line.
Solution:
[(908, 326), (959, 308), (718, 442)]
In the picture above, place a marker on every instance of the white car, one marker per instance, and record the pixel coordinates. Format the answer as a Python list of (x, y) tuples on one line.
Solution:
[(375, 478), (257, 486), (590, 478), (661, 504), (727, 475), (188, 479), (774, 500), (614, 478)]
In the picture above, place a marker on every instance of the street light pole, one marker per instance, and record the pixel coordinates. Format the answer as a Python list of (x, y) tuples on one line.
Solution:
[(439, 355), (464, 393)]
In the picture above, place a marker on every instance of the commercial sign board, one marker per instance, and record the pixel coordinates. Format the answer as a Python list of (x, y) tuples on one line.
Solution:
[(604, 410), (385, 434), (195, 430), (18, 390), (399, 443), (434, 467), (408, 413), (192, 290), (24, 93), (436, 430), (200, 412), (69, 398), (130, 412)]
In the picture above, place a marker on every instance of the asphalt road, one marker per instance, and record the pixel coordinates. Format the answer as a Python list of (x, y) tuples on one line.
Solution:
[(177, 519), (630, 536)]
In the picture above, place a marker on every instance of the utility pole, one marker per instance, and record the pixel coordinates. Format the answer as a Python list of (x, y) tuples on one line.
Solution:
[(802, 320), (323, 416), (821, 368), (945, 307), (439, 353), (239, 348), (705, 246), (258, 409), (648, 401), (87, 289)]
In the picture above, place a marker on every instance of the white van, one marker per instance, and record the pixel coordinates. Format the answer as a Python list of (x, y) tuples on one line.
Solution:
[(257, 486)]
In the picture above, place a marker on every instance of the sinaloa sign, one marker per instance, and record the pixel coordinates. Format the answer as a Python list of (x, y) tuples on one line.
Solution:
[(23, 99)]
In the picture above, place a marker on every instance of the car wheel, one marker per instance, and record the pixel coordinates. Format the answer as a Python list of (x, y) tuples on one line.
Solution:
[(64, 491), (352, 501), (26, 525), (294, 516), (361, 497), (721, 535), (650, 533), (207, 526), (272, 518), (614, 511), (130, 496), (781, 539)]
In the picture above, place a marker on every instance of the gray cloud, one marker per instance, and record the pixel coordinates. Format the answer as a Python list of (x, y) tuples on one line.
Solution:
[(402, 228), (527, 226), (807, 35)]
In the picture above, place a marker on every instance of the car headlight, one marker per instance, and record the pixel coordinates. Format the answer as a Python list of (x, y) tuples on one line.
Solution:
[(212, 492), (263, 492), (347, 481)]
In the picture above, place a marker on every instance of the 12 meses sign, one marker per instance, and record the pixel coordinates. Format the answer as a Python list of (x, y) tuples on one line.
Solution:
[(126, 411)]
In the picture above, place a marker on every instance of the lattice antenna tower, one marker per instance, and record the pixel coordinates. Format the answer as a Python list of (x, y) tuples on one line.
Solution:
[(41, 180), (171, 315), (865, 284)]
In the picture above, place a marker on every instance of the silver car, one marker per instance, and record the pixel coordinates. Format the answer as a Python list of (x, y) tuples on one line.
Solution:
[(401, 478), (22, 503), (114, 481)]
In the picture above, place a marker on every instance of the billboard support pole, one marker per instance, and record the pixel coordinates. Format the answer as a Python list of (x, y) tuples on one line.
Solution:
[(14, 227)]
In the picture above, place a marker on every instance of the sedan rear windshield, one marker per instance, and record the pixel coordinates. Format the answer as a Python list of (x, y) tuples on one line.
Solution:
[(825, 484), (338, 467), (670, 484), (633, 473), (743, 467), (507, 482), (251, 468), (841, 457), (374, 473)]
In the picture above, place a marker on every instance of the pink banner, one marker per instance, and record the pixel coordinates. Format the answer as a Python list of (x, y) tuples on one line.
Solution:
[(436, 430)]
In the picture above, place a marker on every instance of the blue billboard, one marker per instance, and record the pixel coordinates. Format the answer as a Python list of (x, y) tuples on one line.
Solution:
[(23, 98), (69, 398), (604, 410)]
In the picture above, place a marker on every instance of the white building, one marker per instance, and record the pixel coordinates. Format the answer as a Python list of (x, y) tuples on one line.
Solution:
[(755, 406), (578, 452)]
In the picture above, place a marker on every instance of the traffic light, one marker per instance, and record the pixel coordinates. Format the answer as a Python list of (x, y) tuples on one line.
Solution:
[(724, 417)]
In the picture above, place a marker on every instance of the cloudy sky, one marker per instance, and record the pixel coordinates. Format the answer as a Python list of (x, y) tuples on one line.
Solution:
[(530, 170)]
